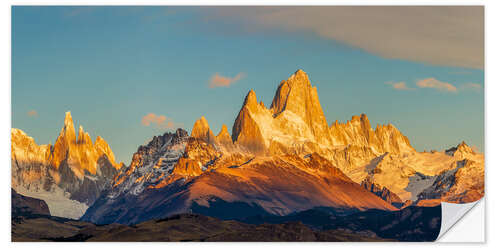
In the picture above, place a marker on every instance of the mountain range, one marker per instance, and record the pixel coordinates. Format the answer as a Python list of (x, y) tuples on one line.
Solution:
[(276, 161), (69, 175)]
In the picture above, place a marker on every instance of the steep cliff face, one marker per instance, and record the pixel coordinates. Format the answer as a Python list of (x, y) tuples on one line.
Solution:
[(247, 131), (151, 164), (381, 192), (224, 137), (461, 183), (201, 130), (241, 186), (297, 98), (69, 175), (281, 160), (358, 131), (295, 122)]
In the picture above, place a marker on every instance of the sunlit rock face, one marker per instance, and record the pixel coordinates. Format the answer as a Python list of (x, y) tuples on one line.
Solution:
[(382, 192), (224, 138), (68, 176), (461, 183), (201, 130), (151, 164), (295, 119), (285, 159), (358, 131), (296, 101)]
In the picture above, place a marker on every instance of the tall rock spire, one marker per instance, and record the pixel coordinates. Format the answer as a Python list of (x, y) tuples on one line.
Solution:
[(75, 165), (296, 95), (358, 131), (224, 137), (201, 130), (246, 131), (80, 152), (68, 131)]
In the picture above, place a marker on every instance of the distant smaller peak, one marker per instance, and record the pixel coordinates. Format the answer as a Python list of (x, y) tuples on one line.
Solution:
[(181, 132), (462, 148), (68, 120), (223, 128), (201, 123), (299, 74), (251, 98), (201, 130), (355, 118), (203, 119)]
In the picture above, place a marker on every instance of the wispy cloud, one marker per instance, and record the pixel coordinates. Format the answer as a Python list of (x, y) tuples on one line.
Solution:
[(441, 35), (224, 81), (433, 83), (32, 113), (160, 121), (399, 85)]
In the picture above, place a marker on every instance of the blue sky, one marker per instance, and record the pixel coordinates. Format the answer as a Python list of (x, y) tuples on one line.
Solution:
[(112, 66)]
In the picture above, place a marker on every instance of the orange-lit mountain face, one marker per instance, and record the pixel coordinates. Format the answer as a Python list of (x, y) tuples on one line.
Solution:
[(295, 124), (284, 159), (69, 175)]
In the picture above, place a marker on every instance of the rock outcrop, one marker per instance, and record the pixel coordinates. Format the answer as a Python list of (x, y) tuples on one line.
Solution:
[(151, 164), (358, 131), (284, 159), (381, 192), (201, 130), (23, 205), (224, 137), (69, 175)]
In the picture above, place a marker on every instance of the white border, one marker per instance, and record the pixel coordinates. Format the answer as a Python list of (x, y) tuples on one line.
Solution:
[(491, 112)]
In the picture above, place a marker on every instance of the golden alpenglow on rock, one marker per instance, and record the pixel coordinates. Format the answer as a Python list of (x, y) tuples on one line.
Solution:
[(68, 176), (201, 130), (295, 98), (224, 137), (283, 125), (285, 159)]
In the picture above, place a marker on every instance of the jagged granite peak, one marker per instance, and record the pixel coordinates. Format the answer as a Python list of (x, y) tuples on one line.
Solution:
[(460, 150), (224, 137), (250, 99), (68, 175), (84, 137), (358, 131), (246, 131), (151, 164), (295, 116), (299, 97), (201, 130), (69, 127), (284, 159), (102, 148)]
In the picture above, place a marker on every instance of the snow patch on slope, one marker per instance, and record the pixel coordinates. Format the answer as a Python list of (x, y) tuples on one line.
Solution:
[(58, 201)]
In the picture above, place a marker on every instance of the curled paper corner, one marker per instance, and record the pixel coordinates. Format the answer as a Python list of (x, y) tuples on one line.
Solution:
[(452, 213)]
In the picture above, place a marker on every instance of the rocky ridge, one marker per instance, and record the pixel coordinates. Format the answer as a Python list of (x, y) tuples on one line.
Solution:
[(69, 175)]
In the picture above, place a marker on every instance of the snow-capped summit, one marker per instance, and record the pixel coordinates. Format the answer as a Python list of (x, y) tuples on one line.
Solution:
[(151, 164)]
